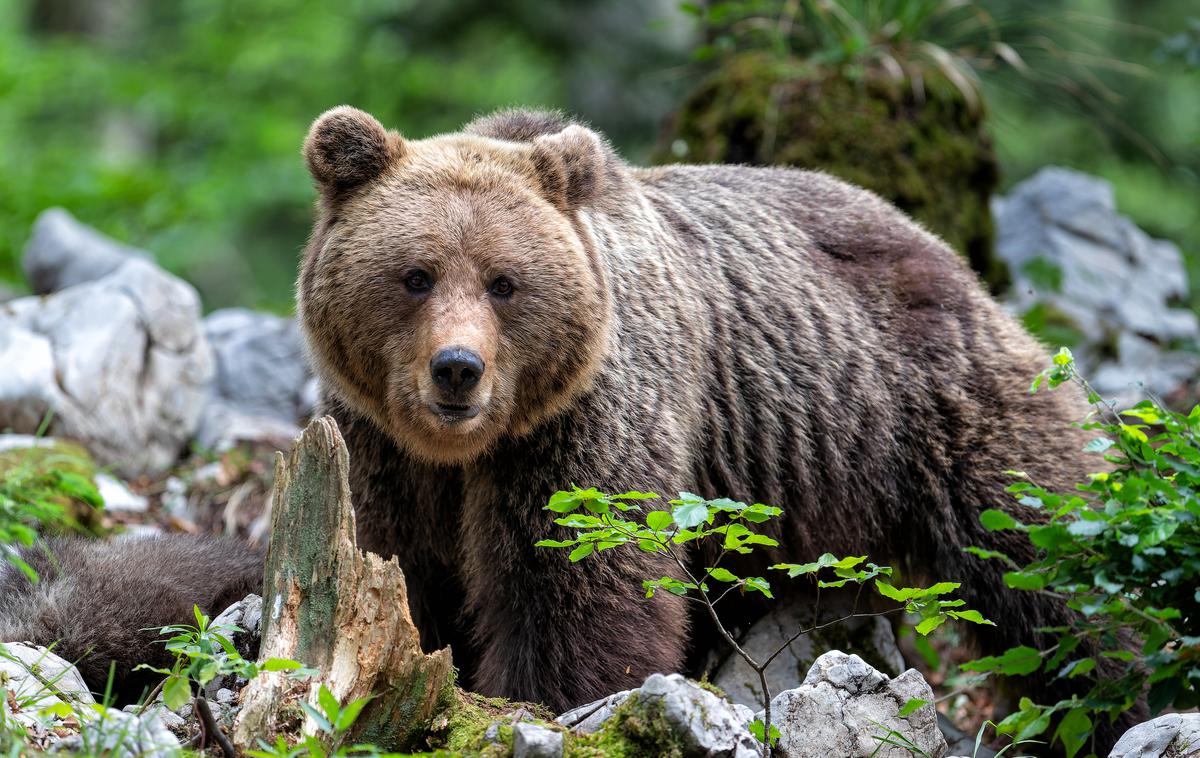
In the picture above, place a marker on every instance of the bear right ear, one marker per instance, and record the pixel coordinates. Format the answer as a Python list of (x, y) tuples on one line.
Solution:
[(571, 166), (346, 148)]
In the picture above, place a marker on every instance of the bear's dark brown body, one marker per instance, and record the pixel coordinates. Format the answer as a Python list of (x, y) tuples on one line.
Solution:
[(770, 335)]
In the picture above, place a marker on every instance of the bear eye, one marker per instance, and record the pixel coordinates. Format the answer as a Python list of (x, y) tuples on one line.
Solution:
[(417, 281), (502, 287)]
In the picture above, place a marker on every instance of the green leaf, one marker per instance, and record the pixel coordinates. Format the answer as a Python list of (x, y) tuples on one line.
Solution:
[(329, 704), (723, 575), (690, 513), (1074, 730), (911, 707), (658, 520), (1021, 580), (349, 714), (929, 624), (554, 543), (177, 692), (1017, 661), (900, 595), (975, 617), (756, 728), (280, 664), (583, 551), (994, 520)]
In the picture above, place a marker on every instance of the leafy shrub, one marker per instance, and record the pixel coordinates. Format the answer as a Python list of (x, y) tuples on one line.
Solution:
[(1124, 551), (603, 522), (43, 489)]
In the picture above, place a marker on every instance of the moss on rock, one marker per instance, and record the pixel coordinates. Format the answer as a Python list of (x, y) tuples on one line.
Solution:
[(928, 154)]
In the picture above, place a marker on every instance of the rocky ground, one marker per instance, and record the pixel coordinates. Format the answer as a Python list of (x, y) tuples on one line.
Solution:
[(182, 413)]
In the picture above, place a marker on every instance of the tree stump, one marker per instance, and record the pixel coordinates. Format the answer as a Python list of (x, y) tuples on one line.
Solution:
[(337, 609)]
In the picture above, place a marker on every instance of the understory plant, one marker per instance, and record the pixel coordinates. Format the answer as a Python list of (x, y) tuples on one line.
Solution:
[(604, 522), (1123, 551), (43, 489)]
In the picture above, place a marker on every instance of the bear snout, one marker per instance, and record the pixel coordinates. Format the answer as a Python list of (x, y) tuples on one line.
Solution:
[(456, 370)]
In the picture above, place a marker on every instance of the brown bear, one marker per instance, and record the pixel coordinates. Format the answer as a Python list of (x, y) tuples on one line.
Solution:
[(503, 312), (500, 313)]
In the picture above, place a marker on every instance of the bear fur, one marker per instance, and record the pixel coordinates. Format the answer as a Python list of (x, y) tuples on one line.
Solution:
[(770, 335)]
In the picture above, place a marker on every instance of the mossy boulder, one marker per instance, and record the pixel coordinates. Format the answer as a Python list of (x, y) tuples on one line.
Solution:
[(923, 148)]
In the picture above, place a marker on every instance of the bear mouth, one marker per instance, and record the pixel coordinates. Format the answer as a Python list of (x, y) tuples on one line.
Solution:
[(451, 413)]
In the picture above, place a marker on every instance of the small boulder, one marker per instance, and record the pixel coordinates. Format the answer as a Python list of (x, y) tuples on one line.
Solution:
[(706, 725), (536, 741), (1087, 269), (121, 362), (62, 252), (120, 734), (261, 387), (36, 679), (846, 708), (870, 637), (1175, 735)]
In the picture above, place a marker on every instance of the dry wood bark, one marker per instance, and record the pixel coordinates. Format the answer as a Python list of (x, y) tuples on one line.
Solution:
[(337, 609)]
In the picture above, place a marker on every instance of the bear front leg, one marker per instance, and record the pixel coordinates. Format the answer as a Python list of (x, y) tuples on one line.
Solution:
[(548, 630)]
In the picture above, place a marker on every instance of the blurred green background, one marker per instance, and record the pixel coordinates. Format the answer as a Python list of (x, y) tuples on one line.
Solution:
[(175, 125)]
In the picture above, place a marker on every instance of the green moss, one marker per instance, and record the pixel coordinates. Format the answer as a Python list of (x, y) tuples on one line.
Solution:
[(929, 155), (637, 729), (704, 684)]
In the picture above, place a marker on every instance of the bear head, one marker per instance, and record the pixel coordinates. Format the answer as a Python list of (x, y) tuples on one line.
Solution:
[(447, 292)]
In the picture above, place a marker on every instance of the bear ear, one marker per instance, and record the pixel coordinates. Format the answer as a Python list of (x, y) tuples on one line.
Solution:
[(571, 166), (346, 148)]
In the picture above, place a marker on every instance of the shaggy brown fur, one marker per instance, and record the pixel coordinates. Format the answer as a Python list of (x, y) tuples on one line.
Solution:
[(100, 601), (770, 335)]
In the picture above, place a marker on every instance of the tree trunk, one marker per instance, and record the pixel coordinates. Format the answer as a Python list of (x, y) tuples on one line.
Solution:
[(337, 609)]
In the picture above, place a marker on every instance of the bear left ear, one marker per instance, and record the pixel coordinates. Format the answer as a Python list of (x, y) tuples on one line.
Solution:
[(346, 148), (571, 166)]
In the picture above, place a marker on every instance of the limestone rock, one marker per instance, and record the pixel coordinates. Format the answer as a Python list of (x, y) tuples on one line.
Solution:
[(62, 252), (1175, 735), (36, 679), (125, 735), (845, 706), (870, 637), (261, 389), (535, 741), (707, 725), (1096, 273), (120, 361)]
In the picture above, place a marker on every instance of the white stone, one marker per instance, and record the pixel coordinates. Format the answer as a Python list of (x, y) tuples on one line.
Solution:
[(1175, 735), (121, 360), (117, 496), (845, 707), (870, 636), (536, 741)]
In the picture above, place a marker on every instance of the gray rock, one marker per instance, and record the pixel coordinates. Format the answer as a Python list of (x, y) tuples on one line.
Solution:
[(1175, 735), (707, 724), (124, 735), (121, 361), (872, 638), (845, 706), (117, 496), (36, 679), (8, 293), (157, 710), (1118, 286), (536, 741), (246, 616), (588, 719), (63, 252), (262, 380), (23, 441)]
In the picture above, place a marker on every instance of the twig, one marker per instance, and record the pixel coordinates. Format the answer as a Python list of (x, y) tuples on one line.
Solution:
[(210, 726)]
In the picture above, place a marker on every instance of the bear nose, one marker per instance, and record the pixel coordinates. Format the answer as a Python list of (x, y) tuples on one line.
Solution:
[(456, 369)]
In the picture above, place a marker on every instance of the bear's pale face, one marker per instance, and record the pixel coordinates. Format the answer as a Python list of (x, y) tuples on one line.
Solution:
[(450, 301)]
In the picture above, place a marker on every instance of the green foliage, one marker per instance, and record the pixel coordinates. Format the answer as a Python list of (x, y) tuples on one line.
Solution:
[(43, 489), (177, 126), (332, 720), (601, 521), (204, 652), (1123, 551)]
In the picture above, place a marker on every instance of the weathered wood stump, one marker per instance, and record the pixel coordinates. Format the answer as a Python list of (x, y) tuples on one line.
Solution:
[(339, 610)]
